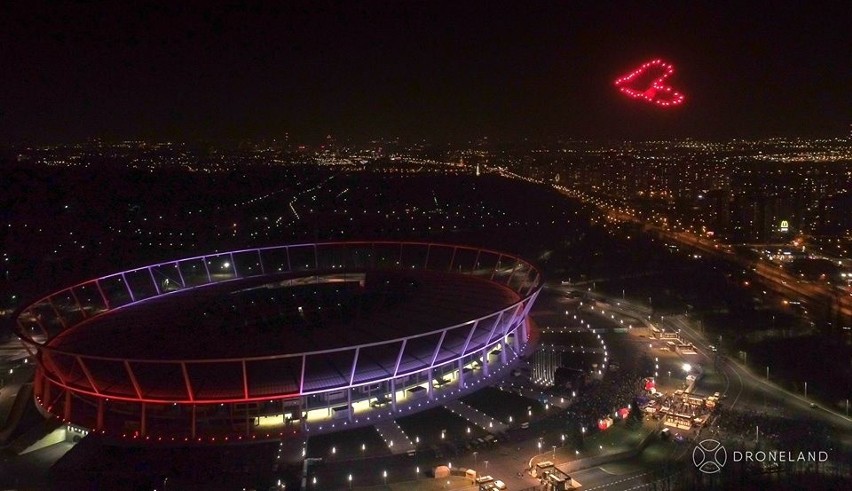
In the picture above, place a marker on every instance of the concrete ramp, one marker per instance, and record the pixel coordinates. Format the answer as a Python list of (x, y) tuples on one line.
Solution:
[(477, 417), (396, 440), (43, 434), (19, 405)]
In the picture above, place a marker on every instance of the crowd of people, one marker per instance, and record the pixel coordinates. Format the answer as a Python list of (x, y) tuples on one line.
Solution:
[(603, 397)]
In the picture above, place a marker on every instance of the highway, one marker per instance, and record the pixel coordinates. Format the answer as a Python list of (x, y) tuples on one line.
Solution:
[(824, 297), (753, 390)]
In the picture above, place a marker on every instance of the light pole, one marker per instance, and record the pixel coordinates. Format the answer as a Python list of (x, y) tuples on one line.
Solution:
[(474, 459), (554, 452), (806, 390), (350, 481), (767, 372), (385, 477)]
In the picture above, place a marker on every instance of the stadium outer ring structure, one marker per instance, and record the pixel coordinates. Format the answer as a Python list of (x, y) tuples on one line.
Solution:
[(68, 386)]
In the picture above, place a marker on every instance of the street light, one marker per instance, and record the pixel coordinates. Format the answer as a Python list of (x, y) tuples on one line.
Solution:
[(474, 459), (385, 477), (350, 481)]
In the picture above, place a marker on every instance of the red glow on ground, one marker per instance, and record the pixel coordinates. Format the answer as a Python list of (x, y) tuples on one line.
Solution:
[(647, 83)]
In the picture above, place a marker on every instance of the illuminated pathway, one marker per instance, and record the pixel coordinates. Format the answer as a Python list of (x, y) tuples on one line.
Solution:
[(396, 440), (476, 417)]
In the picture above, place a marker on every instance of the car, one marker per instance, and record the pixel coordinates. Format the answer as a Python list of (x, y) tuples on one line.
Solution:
[(498, 484), (713, 349), (484, 479), (813, 405)]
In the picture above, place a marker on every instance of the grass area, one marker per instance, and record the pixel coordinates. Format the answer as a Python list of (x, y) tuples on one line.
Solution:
[(428, 426), (347, 444), (426, 484), (501, 404), (580, 339)]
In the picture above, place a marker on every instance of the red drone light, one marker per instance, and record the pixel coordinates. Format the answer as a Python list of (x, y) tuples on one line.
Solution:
[(647, 83)]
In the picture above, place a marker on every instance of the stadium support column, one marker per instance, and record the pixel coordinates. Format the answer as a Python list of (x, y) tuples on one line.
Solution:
[(461, 372), (143, 423), (429, 389), (46, 393), (193, 421), (393, 394), (100, 422), (349, 409), (485, 361), (67, 409)]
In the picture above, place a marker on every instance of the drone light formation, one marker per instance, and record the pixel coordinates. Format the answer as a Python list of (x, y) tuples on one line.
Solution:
[(635, 85)]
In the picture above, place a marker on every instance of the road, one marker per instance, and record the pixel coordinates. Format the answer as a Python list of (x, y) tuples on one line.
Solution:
[(753, 388)]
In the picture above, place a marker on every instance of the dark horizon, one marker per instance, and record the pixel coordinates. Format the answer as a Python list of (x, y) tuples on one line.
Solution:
[(419, 70)]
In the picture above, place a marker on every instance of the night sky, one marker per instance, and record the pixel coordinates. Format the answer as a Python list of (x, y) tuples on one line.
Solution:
[(415, 69)]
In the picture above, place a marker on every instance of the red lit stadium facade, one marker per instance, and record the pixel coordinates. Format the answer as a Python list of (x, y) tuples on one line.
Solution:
[(262, 343)]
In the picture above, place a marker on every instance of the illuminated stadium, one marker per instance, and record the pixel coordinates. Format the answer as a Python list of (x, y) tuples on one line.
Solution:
[(264, 343)]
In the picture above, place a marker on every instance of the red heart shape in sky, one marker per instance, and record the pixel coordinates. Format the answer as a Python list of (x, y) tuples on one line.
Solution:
[(647, 82)]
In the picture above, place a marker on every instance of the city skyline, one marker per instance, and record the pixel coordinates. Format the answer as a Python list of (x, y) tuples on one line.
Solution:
[(417, 70)]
